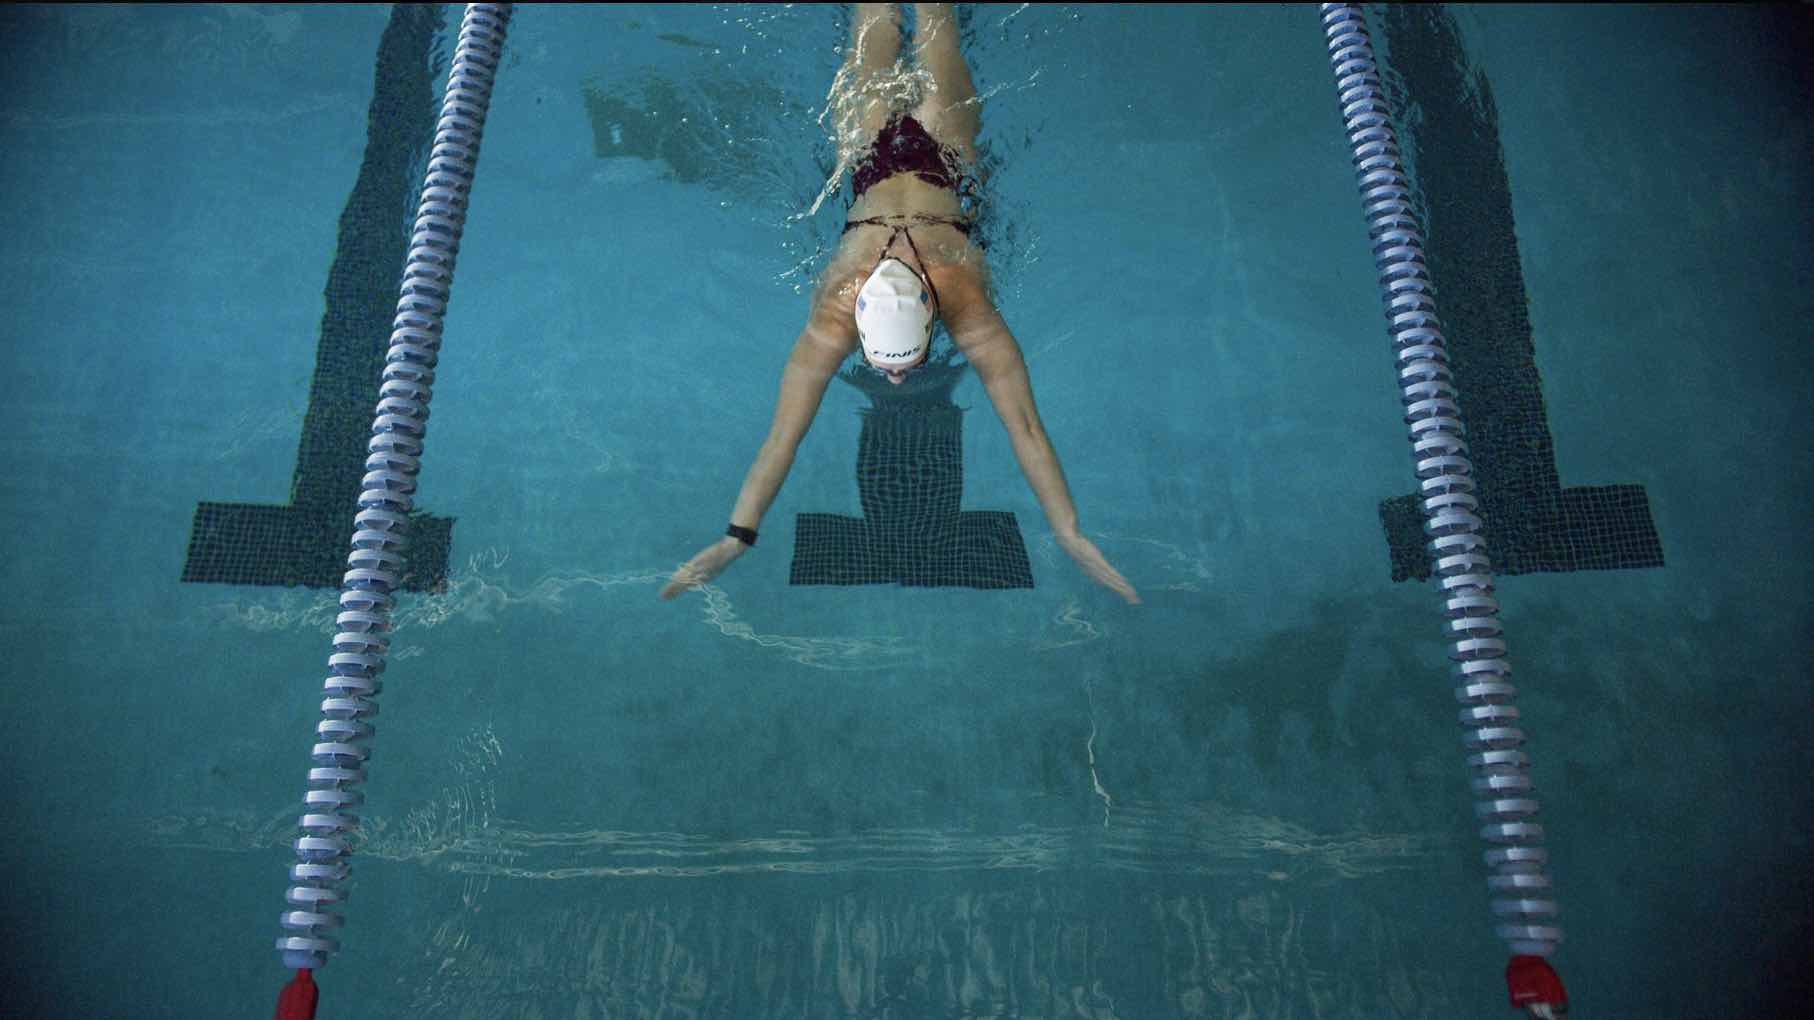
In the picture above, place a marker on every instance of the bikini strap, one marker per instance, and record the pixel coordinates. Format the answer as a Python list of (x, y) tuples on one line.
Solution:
[(961, 226), (927, 270)]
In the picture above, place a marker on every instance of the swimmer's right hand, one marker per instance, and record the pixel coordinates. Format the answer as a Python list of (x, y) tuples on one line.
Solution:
[(703, 567)]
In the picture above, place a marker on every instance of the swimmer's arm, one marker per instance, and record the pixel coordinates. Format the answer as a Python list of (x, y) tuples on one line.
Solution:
[(822, 345), (993, 352)]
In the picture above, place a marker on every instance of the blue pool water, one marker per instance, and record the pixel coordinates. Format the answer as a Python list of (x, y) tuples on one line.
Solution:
[(1242, 798)]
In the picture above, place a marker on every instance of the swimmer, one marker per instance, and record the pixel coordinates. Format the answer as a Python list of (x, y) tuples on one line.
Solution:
[(905, 262)]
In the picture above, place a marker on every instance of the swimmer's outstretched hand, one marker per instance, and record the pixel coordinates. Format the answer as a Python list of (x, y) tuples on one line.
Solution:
[(1091, 560), (703, 567)]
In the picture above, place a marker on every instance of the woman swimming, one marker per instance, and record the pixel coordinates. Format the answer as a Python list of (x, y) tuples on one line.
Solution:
[(904, 263)]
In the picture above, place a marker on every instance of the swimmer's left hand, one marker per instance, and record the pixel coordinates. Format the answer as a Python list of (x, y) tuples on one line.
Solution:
[(1097, 566)]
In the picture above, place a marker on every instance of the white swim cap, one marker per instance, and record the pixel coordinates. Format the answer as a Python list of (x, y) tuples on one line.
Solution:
[(894, 315)]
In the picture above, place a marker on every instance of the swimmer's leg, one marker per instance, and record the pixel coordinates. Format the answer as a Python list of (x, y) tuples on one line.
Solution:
[(859, 98), (951, 113)]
